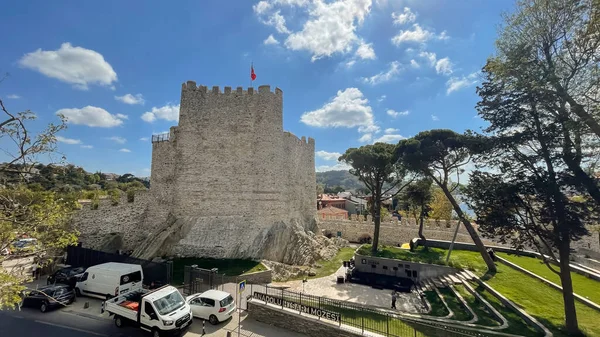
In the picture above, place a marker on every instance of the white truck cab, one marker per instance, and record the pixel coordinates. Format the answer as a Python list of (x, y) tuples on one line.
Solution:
[(109, 279), (162, 311)]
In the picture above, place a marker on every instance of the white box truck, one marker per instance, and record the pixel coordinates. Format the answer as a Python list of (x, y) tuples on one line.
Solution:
[(162, 311), (109, 279)]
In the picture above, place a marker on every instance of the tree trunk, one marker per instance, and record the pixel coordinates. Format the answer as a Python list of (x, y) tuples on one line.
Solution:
[(377, 222), (421, 236), (567, 285), (472, 232)]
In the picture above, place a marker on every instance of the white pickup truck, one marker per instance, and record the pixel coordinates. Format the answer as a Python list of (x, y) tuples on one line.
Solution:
[(162, 311)]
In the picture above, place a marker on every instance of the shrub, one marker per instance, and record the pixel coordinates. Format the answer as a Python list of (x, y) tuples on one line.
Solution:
[(364, 238), (130, 195), (95, 204), (328, 234)]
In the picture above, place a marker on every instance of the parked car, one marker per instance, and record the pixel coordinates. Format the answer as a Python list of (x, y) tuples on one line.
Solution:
[(66, 276), (109, 279), (214, 305), (48, 297)]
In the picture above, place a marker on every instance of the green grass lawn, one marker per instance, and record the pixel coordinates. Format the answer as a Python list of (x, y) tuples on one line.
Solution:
[(516, 325), (484, 315), (458, 258), (229, 267), (582, 285), (329, 267), (542, 301), (438, 308), (460, 312)]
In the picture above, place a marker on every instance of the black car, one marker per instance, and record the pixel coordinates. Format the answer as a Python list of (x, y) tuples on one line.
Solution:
[(66, 276), (48, 297)]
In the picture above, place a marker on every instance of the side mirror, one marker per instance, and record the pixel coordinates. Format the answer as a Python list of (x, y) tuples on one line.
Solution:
[(153, 316)]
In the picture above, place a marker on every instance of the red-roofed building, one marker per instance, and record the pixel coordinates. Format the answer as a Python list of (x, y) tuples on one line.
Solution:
[(330, 212), (326, 200)]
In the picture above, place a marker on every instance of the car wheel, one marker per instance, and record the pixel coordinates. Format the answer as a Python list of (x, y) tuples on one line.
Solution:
[(155, 332), (77, 292), (213, 320), (44, 307), (119, 322), (71, 300)]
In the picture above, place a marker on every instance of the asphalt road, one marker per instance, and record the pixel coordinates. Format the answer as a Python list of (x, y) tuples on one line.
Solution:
[(59, 324)]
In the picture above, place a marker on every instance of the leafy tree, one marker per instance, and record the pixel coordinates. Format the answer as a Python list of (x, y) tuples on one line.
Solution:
[(526, 144), (441, 208), (376, 165), (438, 154), (40, 215), (334, 189), (417, 198), (320, 189), (552, 47)]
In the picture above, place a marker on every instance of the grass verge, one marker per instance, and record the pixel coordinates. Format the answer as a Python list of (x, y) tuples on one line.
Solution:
[(582, 285), (484, 315), (438, 308), (329, 267), (229, 267), (460, 312), (458, 258)]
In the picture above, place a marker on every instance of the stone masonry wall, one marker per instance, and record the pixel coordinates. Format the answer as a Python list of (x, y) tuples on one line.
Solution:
[(228, 182), (293, 321), (396, 232)]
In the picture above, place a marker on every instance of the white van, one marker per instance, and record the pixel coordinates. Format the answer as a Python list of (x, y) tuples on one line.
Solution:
[(108, 280)]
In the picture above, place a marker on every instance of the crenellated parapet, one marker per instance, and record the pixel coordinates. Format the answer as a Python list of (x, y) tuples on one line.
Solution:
[(190, 86)]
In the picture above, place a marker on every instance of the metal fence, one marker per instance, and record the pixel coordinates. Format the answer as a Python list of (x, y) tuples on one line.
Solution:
[(162, 137), (197, 280), (353, 316), (157, 272)]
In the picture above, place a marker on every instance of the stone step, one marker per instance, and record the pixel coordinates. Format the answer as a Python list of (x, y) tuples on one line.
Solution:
[(438, 283), (455, 278)]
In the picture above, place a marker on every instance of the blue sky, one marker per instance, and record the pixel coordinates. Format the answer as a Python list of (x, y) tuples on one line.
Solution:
[(352, 71)]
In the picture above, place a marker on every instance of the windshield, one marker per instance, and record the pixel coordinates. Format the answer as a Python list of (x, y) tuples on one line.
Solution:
[(169, 303)]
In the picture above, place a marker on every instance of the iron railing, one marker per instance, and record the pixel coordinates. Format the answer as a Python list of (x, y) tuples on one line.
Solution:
[(353, 316)]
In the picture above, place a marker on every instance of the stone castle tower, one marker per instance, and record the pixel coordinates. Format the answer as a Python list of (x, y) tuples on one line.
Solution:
[(229, 182)]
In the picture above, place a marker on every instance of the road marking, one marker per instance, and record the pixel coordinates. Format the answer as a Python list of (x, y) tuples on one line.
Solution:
[(72, 328), (15, 316)]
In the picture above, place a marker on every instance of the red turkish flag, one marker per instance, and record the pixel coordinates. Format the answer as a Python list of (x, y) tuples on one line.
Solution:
[(252, 74)]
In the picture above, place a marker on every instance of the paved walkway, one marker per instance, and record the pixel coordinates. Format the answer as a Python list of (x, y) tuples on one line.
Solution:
[(357, 293)]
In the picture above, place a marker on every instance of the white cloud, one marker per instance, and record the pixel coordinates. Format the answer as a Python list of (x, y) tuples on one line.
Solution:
[(261, 7), (431, 57), (86, 147), (444, 66), (70, 141), (414, 64), (13, 96), (434, 118), (278, 21), (167, 112), (365, 51), (369, 129), (347, 109), (328, 155), (75, 65), (91, 116), (390, 130), (125, 150), (457, 83), (389, 139), (417, 35), (336, 167), (350, 63), (131, 99), (395, 114), (381, 98), (331, 27), (122, 116), (117, 139), (144, 139), (384, 76), (405, 17), (270, 40), (365, 138)]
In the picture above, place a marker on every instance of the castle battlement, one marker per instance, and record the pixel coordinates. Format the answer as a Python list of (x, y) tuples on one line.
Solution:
[(216, 90)]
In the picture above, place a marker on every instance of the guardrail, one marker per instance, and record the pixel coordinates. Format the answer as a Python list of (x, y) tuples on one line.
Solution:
[(357, 318)]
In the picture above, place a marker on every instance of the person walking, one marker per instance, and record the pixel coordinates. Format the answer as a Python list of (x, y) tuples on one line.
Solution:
[(394, 296)]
